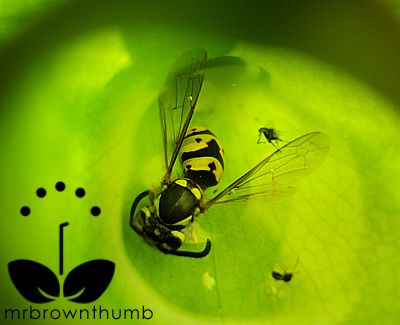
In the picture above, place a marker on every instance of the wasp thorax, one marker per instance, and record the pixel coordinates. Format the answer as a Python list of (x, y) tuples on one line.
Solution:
[(178, 202)]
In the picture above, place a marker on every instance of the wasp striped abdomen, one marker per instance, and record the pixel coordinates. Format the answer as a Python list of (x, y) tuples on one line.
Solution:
[(202, 157)]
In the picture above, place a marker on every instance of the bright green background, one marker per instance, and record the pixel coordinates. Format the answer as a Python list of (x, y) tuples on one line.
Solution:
[(84, 111)]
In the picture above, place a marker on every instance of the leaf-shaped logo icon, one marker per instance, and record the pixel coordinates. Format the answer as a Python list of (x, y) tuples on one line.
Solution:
[(28, 276), (93, 276)]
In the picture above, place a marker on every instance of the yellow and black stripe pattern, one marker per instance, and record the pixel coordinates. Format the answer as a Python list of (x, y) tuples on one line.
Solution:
[(202, 157)]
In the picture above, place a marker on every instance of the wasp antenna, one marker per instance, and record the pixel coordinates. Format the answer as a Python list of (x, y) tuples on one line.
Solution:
[(203, 253), (139, 198)]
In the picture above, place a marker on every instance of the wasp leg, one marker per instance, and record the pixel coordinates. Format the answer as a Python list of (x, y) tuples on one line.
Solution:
[(135, 224), (187, 253)]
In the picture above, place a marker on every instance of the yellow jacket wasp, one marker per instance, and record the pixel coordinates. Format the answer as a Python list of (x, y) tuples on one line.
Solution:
[(169, 220)]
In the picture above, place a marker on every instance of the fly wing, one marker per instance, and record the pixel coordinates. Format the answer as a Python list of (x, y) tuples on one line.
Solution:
[(177, 102)]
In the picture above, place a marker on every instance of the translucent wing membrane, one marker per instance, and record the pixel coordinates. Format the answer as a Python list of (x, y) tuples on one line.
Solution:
[(177, 101), (273, 175), (195, 234)]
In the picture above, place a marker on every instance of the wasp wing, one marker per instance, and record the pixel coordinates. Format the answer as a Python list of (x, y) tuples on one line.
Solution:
[(195, 234), (273, 175), (177, 101)]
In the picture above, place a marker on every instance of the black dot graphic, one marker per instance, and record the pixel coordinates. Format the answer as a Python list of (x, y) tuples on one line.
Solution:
[(41, 192), (60, 186), (95, 211), (80, 192), (25, 211)]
